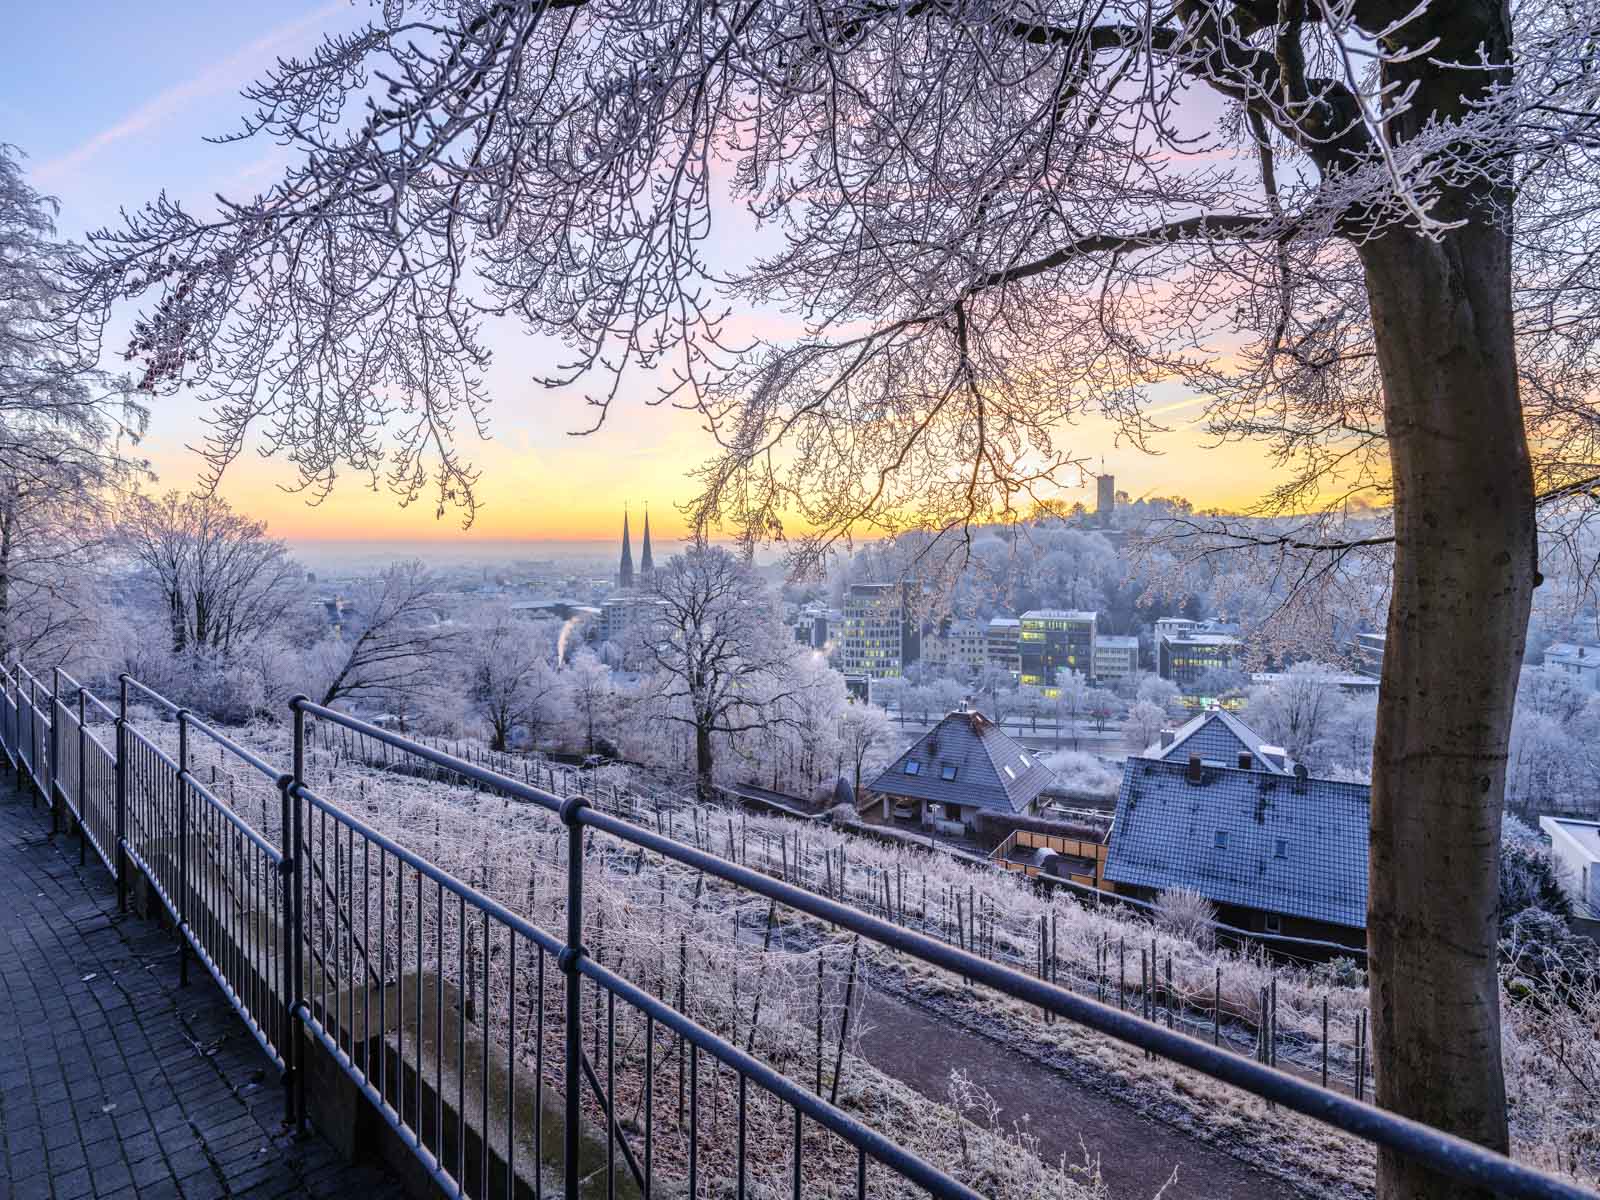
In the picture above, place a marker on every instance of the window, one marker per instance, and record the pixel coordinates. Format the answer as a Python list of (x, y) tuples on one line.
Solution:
[(947, 772), (1281, 850), (913, 767), (1271, 923), (1221, 842)]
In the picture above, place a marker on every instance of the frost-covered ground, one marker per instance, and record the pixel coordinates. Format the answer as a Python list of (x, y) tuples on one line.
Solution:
[(643, 910)]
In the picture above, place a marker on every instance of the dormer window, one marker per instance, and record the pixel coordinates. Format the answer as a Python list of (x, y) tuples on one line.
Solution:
[(947, 772), (913, 767)]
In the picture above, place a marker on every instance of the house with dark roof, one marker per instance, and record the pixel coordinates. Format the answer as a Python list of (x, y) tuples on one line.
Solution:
[(960, 767), (1276, 853), (1220, 739)]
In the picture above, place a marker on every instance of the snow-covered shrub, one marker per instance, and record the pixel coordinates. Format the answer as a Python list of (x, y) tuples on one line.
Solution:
[(1185, 913), (1528, 878), (1541, 954), (1081, 772), (1341, 971)]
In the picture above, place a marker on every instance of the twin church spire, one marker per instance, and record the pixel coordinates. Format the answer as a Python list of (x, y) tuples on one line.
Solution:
[(647, 566)]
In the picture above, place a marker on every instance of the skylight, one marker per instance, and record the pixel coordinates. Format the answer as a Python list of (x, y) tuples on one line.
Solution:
[(913, 767), (947, 772), (1025, 761), (1010, 772), (1282, 850), (1221, 842)]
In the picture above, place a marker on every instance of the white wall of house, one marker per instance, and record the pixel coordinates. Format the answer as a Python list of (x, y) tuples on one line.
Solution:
[(1575, 846)]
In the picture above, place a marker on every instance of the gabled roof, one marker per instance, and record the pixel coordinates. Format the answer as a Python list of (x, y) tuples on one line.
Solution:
[(987, 768), (1219, 737), (1221, 837)]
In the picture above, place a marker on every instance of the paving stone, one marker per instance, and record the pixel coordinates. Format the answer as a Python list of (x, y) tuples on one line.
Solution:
[(197, 1111)]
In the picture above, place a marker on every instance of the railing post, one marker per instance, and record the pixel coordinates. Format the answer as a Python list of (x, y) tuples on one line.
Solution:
[(296, 915), (570, 954), (55, 737), (183, 847), (122, 792), (33, 737), (290, 1036), (83, 787)]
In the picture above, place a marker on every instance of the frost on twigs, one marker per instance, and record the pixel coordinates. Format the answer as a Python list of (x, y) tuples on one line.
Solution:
[(979, 222)]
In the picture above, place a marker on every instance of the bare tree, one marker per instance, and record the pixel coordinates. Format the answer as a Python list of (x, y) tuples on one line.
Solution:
[(221, 578), (724, 664), (64, 429), (59, 414), (509, 670), (865, 734), (1371, 245), (1145, 722), (590, 696), (393, 640), (1298, 710)]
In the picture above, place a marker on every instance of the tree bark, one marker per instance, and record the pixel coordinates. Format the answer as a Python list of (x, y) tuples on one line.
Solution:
[(1464, 571), (703, 760)]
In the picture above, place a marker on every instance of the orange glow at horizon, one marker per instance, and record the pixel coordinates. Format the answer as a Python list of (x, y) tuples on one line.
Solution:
[(575, 488)]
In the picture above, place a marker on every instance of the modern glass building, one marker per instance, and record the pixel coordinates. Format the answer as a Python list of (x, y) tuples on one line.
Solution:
[(1052, 640), (1186, 658), (881, 635)]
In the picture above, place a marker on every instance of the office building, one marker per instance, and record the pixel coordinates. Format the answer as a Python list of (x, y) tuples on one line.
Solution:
[(1115, 658), (1185, 658), (881, 637), (1001, 641), (1053, 640)]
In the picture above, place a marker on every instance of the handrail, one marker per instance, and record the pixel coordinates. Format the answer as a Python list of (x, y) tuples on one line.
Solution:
[(546, 941), (296, 863), (1445, 1153), (200, 724)]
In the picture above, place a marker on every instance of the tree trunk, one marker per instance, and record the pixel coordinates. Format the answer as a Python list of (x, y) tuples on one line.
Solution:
[(1464, 572), (702, 761)]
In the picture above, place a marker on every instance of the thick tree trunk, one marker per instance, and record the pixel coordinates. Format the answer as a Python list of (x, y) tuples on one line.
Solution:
[(1464, 573), (703, 760)]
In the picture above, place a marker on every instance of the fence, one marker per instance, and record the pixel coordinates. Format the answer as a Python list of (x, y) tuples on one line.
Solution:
[(431, 997)]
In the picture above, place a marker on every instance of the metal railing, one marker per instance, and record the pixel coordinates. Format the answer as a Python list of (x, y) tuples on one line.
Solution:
[(466, 1025)]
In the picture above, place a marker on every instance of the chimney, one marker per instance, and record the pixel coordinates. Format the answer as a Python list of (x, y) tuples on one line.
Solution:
[(1300, 777), (1245, 762), (1168, 736), (1194, 768)]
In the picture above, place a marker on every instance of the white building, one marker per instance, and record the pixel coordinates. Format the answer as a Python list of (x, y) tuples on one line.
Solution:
[(1575, 846), (1115, 657), (1582, 663), (620, 613)]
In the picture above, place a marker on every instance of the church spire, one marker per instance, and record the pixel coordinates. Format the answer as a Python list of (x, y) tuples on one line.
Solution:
[(647, 566), (625, 571)]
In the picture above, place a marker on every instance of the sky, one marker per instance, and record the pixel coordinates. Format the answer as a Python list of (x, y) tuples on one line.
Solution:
[(113, 106)]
